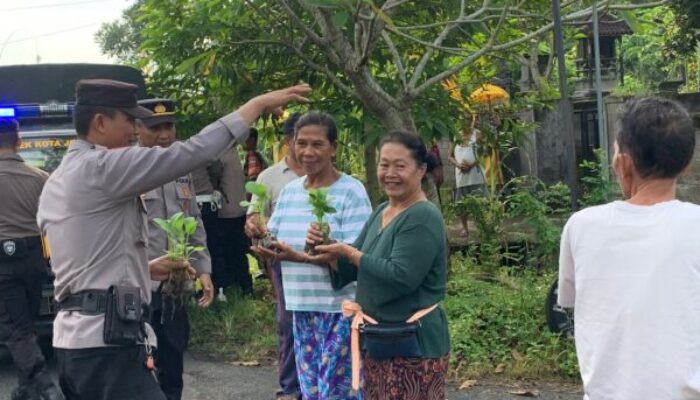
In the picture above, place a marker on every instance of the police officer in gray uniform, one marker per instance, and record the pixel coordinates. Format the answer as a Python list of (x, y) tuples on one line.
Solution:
[(23, 267), (171, 325), (95, 219)]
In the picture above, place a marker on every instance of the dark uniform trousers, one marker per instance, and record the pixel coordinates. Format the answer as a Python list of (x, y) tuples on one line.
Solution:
[(21, 277), (236, 270), (173, 332), (210, 220), (106, 373)]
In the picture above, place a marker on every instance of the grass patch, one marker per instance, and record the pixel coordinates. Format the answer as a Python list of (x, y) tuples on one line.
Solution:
[(497, 326), (242, 329)]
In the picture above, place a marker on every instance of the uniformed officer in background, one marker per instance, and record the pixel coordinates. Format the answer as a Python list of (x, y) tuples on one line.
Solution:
[(23, 268), (96, 223), (171, 326)]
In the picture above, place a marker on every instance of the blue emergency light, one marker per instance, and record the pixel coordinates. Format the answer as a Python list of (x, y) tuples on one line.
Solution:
[(20, 111), (7, 112)]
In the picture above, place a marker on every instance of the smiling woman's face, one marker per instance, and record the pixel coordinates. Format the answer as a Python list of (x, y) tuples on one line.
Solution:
[(398, 172)]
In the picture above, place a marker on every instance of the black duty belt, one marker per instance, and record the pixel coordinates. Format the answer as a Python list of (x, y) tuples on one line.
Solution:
[(90, 302), (18, 247)]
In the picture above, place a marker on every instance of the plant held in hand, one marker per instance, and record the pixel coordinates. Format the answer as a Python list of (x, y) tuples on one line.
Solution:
[(180, 284), (320, 207), (259, 206)]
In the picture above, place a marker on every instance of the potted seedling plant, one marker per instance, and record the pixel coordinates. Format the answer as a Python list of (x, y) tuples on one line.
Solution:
[(320, 207), (259, 206), (179, 286)]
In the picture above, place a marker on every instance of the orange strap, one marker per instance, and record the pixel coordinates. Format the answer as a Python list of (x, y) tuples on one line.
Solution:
[(352, 309)]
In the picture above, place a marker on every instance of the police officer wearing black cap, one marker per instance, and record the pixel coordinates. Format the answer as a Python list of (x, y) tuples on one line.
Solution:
[(95, 219), (23, 267), (170, 322)]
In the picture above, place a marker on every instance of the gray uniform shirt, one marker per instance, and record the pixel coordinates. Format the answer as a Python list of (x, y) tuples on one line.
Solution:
[(20, 187), (233, 185), (164, 202), (95, 219)]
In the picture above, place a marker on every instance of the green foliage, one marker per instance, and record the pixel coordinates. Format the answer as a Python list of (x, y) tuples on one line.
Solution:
[(543, 209), (320, 204), (596, 187), (179, 229), (500, 326), (243, 328), (488, 214), (685, 29)]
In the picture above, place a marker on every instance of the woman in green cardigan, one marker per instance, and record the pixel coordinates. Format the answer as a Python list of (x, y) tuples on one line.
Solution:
[(400, 264)]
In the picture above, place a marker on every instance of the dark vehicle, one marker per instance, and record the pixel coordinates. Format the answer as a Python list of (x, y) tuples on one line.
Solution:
[(41, 98)]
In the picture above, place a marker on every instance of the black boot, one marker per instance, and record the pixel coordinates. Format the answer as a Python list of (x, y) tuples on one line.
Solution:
[(45, 387)]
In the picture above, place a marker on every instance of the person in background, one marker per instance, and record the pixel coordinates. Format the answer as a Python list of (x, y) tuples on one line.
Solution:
[(438, 171), (171, 325), (207, 186), (631, 268), (468, 173), (399, 261), (23, 267), (235, 269), (254, 162), (275, 179), (321, 332)]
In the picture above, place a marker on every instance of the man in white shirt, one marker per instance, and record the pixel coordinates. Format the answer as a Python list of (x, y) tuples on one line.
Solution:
[(631, 268)]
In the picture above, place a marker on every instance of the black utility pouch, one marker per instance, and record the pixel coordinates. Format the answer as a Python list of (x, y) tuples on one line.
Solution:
[(123, 316), (388, 340)]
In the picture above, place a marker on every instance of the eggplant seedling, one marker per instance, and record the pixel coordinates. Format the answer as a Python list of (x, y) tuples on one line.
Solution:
[(320, 207), (259, 206), (179, 285)]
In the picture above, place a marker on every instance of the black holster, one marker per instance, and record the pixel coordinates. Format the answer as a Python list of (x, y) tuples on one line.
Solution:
[(124, 316)]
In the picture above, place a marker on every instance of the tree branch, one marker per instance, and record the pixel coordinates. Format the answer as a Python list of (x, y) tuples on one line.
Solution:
[(300, 23), (324, 70), (438, 41), (458, 67), (397, 58)]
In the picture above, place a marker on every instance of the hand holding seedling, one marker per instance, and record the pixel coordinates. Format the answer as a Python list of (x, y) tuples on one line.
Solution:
[(253, 227), (179, 285), (256, 227), (160, 267), (320, 206)]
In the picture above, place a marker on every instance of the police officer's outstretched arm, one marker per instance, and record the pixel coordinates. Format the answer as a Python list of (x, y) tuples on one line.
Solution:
[(130, 171)]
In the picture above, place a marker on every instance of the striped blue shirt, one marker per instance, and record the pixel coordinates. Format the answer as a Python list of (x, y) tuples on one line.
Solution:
[(307, 287)]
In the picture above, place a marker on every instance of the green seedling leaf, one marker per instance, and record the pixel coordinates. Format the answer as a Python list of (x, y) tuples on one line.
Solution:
[(245, 203), (190, 226), (163, 224), (255, 188)]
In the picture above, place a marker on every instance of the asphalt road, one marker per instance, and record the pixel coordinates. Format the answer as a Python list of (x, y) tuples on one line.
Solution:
[(217, 380)]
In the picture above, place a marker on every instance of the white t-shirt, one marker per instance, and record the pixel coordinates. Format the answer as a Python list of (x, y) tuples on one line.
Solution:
[(633, 275), (468, 153)]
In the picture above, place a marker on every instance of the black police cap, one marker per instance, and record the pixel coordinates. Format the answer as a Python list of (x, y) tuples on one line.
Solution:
[(110, 93), (163, 111)]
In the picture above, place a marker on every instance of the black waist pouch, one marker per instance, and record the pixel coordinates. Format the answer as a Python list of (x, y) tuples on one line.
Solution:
[(388, 340), (124, 317)]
